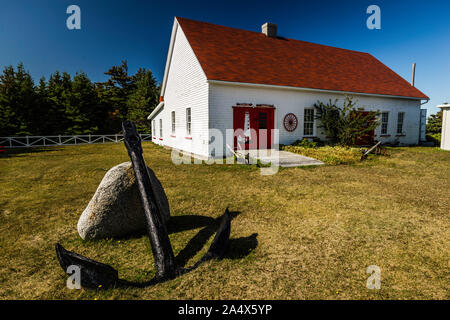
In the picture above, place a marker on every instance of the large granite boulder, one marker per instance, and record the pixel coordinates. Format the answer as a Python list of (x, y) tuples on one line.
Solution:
[(115, 210)]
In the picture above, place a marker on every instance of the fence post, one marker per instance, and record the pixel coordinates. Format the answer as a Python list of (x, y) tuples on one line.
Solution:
[(59, 139), (89, 139), (116, 137), (28, 142), (10, 142)]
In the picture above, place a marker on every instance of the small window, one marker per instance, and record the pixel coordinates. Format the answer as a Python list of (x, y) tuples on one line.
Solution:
[(160, 128), (262, 120), (173, 122), (401, 117), (384, 122), (153, 128), (188, 121), (308, 129)]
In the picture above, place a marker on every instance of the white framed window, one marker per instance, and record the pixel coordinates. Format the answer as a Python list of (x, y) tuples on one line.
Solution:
[(400, 119), (308, 122), (384, 122), (173, 121), (160, 128), (188, 121), (154, 128)]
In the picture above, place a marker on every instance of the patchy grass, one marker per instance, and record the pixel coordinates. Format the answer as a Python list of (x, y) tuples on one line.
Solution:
[(299, 234), (328, 154)]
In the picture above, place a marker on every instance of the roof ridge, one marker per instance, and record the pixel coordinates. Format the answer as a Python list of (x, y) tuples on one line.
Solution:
[(256, 32)]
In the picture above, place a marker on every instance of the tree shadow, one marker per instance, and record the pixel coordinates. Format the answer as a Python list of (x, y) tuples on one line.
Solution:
[(199, 240), (19, 152)]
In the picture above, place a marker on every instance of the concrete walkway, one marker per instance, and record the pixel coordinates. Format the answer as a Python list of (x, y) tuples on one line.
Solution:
[(283, 158)]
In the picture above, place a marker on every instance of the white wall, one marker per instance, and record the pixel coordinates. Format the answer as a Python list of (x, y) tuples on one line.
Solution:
[(186, 87), (445, 136), (222, 97)]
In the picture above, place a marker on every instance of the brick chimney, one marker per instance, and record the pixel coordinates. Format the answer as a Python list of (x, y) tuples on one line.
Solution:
[(269, 29)]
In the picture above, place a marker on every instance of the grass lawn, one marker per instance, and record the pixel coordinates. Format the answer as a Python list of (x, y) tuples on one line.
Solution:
[(304, 233)]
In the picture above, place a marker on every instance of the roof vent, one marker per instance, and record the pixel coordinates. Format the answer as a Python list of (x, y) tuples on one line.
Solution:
[(269, 29)]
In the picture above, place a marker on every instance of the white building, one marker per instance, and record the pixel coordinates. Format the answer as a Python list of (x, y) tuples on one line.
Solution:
[(445, 134), (223, 78)]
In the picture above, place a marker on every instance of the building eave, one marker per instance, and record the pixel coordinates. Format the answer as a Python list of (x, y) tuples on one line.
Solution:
[(310, 89), (156, 111)]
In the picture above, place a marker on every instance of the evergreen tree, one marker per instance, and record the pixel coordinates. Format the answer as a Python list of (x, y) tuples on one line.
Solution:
[(116, 90), (42, 121), (17, 101), (434, 123), (9, 120), (58, 91), (63, 105), (143, 100), (81, 109)]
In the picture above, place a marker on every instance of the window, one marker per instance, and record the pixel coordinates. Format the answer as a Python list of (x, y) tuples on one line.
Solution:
[(160, 128), (384, 122), (153, 128), (173, 122), (188, 121), (401, 117), (262, 120), (308, 129)]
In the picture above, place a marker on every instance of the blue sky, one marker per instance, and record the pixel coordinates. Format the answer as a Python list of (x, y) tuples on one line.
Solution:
[(35, 33)]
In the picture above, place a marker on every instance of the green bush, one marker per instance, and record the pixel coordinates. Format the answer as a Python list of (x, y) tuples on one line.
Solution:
[(344, 125), (305, 143), (435, 138)]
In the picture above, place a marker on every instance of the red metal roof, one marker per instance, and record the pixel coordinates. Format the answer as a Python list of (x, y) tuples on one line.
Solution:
[(236, 55)]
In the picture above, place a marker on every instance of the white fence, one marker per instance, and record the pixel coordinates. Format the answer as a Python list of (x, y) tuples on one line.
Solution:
[(46, 141)]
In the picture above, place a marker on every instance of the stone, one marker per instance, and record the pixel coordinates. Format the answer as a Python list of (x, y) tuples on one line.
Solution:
[(115, 210)]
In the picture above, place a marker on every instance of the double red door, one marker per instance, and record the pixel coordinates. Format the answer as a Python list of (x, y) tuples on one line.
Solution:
[(253, 127)]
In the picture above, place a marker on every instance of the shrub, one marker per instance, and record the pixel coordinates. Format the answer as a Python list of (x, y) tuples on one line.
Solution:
[(345, 125), (435, 138), (305, 143)]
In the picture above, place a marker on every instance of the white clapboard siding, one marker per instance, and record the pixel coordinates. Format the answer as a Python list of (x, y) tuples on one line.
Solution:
[(222, 97), (186, 87)]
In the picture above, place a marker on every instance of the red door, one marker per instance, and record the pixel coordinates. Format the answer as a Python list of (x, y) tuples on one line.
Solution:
[(253, 127), (368, 138)]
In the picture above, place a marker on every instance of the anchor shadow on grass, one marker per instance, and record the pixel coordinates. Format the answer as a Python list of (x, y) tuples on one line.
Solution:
[(238, 248), (176, 224), (189, 222)]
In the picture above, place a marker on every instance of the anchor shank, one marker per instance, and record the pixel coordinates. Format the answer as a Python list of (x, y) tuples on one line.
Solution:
[(159, 238)]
